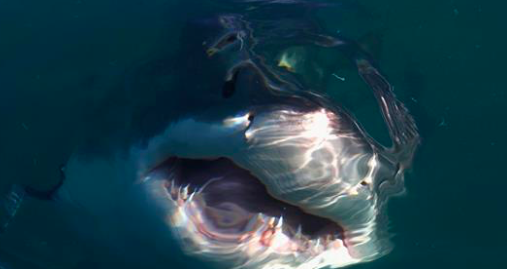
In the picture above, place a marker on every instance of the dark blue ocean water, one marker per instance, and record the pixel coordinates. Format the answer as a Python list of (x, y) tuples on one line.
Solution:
[(60, 59)]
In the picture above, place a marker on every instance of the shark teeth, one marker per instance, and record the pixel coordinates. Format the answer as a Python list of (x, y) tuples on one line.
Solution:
[(262, 238), (279, 225), (299, 233), (317, 244), (184, 193), (191, 196)]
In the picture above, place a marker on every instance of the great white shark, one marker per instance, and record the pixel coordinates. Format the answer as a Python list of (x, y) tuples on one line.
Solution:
[(244, 166)]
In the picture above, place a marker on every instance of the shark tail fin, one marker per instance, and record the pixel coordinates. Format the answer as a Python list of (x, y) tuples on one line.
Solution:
[(10, 204)]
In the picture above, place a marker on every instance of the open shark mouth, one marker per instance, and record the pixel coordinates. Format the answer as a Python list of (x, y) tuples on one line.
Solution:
[(284, 189), (225, 209)]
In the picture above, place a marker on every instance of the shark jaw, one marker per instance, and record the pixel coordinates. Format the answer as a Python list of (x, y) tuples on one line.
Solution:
[(231, 219), (279, 189)]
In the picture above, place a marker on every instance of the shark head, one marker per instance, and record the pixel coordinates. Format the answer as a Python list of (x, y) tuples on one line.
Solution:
[(244, 165)]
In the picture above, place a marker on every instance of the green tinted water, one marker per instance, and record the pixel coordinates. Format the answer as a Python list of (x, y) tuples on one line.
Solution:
[(58, 59)]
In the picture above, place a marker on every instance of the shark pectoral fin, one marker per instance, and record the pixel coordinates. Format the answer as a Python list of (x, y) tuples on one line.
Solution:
[(401, 125), (12, 201), (10, 204)]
